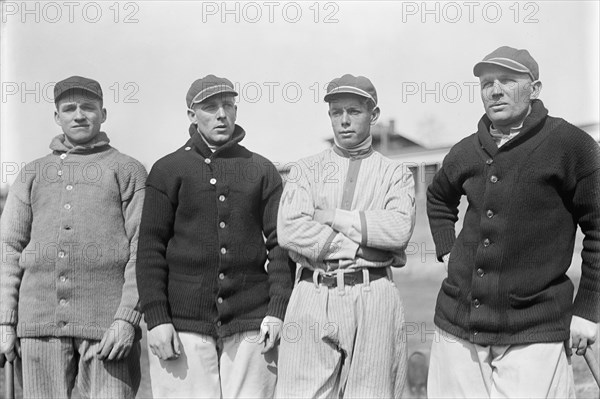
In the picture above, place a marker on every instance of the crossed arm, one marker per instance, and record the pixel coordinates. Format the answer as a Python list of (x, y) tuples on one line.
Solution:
[(333, 233)]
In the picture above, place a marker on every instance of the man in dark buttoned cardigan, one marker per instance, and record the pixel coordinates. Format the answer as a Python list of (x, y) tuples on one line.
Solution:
[(505, 314)]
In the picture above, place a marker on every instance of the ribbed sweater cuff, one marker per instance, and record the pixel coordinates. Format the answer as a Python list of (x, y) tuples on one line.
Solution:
[(131, 316), (587, 305), (444, 241), (157, 313), (8, 317), (277, 307)]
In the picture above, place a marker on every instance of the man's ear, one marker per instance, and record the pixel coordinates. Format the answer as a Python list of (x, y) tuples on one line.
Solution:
[(104, 115), (375, 115), (192, 116), (536, 88), (56, 118)]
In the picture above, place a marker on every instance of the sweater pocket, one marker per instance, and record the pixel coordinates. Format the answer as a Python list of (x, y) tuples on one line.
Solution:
[(549, 308), (188, 295), (448, 301)]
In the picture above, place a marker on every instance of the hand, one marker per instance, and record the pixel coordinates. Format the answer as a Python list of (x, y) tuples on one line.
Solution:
[(9, 346), (270, 328), (117, 341), (583, 334), (446, 259), (373, 254), (324, 216), (164, 342)]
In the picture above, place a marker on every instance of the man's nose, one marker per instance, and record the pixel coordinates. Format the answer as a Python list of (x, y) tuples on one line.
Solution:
[(497, 89), (345, 119), (78, 113), (220, 113)]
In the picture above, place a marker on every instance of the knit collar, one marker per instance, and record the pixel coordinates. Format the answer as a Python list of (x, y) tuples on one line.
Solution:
[(359, 151), (202, 147), (60, 144), (529, 128)]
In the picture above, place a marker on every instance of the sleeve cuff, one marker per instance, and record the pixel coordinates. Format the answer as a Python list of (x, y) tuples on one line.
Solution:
[(277, 307), (587, 305), (9, 317), (157, 313), (131, 316), (444, 241), (348, 223)]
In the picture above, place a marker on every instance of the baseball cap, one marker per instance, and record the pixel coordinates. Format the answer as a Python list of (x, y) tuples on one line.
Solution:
[(207, 87), (86, 85), (351, 84), (511, 58)]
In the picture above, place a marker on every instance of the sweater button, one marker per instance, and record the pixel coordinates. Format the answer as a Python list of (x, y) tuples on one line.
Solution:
[(213, 181), (219, 300), (486, 242), (62, 302), (207, 161), (221, 276), (223, 251), (63, 156), (475, 332), (476, 303), (494, 179), (67, 206), (490, 214), (61, 254), (222, 198), (188, 148), (222, 225), (480, 272), (63, 279), (489, 161), (69, 187), (219, 323), (61, 324), (59, 172)]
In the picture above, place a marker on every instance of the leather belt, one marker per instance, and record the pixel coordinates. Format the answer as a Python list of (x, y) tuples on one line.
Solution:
[(350, 278)]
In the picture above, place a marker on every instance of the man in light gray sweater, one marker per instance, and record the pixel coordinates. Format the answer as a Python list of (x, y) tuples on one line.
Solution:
[(68, 294)]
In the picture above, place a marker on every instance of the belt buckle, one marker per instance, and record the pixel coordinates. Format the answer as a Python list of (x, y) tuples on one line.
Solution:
[(328, 281), (350, 278)]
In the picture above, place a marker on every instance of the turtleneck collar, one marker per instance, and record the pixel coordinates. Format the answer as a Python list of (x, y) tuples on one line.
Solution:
[(203, 147), (361, 150), (60, 144)]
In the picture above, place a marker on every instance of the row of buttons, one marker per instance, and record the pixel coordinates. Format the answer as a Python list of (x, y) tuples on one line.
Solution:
[(222, 225), (62, 254)]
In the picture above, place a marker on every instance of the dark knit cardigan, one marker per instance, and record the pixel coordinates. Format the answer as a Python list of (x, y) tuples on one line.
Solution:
[(506, 279), (202, 254)]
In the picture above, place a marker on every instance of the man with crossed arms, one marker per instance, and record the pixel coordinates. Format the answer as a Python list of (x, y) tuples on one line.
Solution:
[(346, 216)]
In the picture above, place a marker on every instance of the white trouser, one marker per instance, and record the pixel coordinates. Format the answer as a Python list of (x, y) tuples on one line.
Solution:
[(229, 368), (460, 369)]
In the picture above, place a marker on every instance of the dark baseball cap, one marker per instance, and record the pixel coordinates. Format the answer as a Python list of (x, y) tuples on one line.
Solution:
[(350, 84), (206, 87), (510, 58), (74, 83)]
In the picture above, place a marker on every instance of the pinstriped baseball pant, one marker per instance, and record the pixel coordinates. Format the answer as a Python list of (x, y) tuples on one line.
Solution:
[(51, 366), (347, 341)]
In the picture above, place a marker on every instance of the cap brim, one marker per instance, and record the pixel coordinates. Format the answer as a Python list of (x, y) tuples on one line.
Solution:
[(505, 63), (81, 89), (348, 90), (210, 92)]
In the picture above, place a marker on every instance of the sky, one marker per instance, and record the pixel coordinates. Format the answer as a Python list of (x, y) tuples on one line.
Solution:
[(280, 56)]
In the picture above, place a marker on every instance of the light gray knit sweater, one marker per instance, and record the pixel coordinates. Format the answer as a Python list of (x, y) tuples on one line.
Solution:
[(69, 235)]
